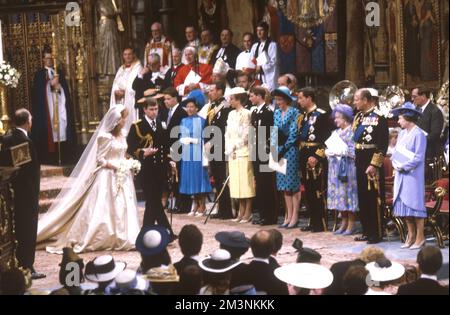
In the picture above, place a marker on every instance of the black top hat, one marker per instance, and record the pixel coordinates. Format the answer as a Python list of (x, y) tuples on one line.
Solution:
[(233, 239), (306, 255)]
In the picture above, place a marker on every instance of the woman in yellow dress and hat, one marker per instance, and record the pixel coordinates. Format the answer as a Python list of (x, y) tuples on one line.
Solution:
[(242, 181)]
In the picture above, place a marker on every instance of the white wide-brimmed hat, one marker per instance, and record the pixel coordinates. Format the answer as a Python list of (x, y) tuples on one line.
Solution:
[(305, 275), (219, 262), (235, 91), (130, 280), (385, 272), (103, 269)]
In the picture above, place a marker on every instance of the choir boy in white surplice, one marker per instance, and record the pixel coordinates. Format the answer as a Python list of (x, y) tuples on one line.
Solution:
[(265, 56)]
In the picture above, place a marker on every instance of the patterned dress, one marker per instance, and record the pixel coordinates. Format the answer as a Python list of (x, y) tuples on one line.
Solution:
[(343, 196), (286, 131)]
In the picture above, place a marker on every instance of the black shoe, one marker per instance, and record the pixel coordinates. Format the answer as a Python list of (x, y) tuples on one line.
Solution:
[(361, 238), (375, 240), (256, 222), (36, 275), (317, 230), (216, 217), (306, 228), (174, 210), (267, 222)]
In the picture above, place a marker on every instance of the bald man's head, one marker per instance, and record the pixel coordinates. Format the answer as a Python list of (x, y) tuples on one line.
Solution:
[(261, 244)]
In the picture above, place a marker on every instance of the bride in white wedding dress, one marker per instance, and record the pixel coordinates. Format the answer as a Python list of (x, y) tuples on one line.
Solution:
[(97, 208)]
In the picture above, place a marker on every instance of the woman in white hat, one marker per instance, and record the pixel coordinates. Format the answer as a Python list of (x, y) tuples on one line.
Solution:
[(305, 278), (381, 273), (242, 181), (217, 276), (102, 270)]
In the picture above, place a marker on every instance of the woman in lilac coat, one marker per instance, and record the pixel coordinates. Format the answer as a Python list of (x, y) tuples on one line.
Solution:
[(409, 185)]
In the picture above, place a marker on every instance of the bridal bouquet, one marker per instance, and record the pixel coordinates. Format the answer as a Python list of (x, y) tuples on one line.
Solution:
[(8, 75), (124, 169)]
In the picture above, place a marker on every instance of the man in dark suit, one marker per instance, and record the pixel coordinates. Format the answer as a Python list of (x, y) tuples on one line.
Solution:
[(266, 193), (26, 187), (176, 113), (228, 52), (147, 143), (191, 241), (432, 122), (173, 71), (259, 272), (430, 262), (217, 117)]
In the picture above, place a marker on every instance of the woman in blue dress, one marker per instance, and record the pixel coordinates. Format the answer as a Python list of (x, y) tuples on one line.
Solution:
[(342, 184), (408, 161), (284, 140), (194, 174)]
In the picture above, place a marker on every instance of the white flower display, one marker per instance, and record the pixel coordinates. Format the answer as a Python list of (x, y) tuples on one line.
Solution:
[(8, 75), (124, 169)]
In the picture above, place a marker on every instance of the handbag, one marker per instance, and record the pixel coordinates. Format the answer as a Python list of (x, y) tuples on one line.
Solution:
[(342, 174)]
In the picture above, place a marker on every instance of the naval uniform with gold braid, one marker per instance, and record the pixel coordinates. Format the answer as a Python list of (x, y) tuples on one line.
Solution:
[(152, 174), (315, 128), (372, 139)]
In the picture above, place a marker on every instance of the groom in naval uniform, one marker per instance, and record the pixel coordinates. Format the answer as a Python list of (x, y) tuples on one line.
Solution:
[(147, 143)]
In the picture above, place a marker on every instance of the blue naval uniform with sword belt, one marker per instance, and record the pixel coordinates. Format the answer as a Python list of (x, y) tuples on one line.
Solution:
[(315, 128), (372, 140)]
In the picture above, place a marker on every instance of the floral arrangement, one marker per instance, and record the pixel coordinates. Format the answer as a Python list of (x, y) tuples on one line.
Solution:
[(123, 170), (8, 75)]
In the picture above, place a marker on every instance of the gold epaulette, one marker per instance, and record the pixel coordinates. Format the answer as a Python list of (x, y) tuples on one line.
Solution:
[(147, 140), (356, 121), (321, 153), (377, 160), (300, 121)]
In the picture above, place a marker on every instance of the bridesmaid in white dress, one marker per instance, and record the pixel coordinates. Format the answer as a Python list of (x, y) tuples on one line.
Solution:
[(97, 208)]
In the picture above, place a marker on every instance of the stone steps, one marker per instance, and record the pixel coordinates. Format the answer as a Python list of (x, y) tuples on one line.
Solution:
[(52, 180)]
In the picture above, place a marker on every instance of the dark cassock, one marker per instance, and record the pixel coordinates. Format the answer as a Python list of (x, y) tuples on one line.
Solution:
[(315, 128), (144, 134), (266, 201), (217, 118), (44, 133), (26, 185), (372, 140)]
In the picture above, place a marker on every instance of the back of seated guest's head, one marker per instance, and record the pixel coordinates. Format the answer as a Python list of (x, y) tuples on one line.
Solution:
[(430, 260), (355, 281), (190, 240), (371, 254), (277, 241), (261, 244), (190, 281), (12, 282), (411, 274)]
